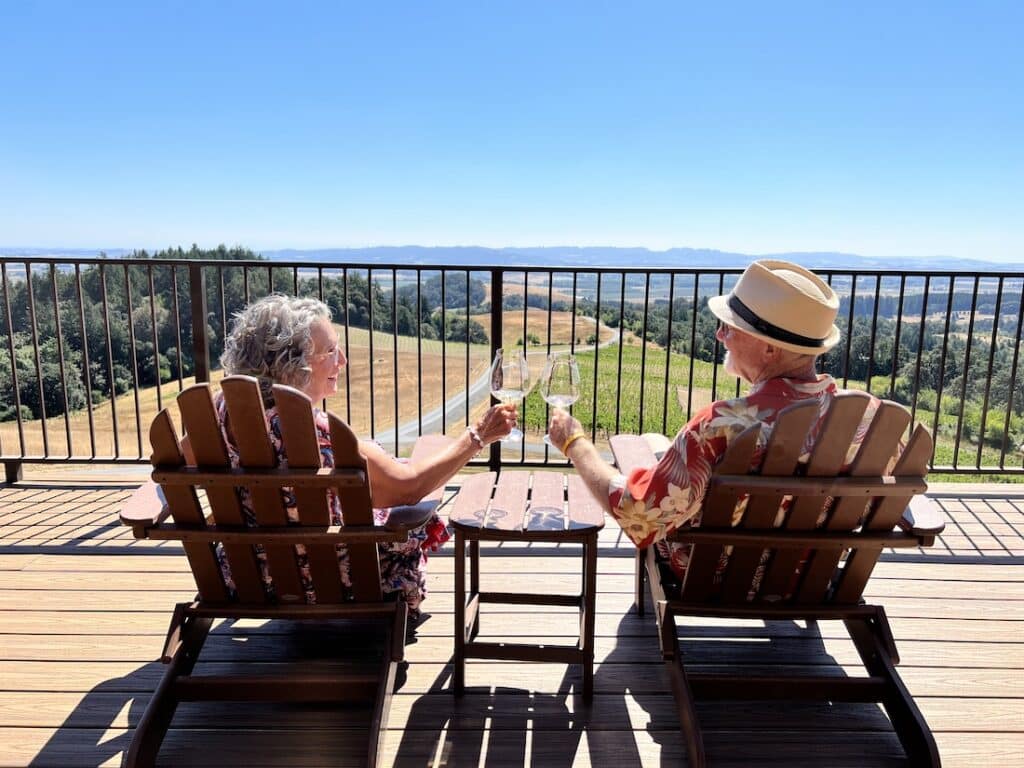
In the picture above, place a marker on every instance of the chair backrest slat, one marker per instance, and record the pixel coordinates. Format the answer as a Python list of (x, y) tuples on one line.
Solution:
[(185, 509), (248, 426), (880, 445), (859, 565), (719, 504), (262, 482), (831, 443), (834, 466), (298, 433), (357, 509), (199, 419), (782, 456), (247, 423)]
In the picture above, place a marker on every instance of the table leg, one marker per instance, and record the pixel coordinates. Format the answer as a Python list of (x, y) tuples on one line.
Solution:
[(474, 587), (589, 606), (459, 670)]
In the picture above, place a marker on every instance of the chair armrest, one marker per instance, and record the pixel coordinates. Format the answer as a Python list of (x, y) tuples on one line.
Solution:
[(411, 515), (923, 517), (632, 451), (657, 442), (145, 507), (430, 445)]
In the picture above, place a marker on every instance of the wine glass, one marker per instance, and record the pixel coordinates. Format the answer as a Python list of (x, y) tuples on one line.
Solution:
[(560, 382), (510, 381)]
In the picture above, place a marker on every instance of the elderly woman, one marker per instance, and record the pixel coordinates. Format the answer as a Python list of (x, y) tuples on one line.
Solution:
[(287, 340)]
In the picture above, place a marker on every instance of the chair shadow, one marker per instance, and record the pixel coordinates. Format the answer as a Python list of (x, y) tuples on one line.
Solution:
[(632, 672), (99, 730), (732, 727), (515, 726), (493, 725)]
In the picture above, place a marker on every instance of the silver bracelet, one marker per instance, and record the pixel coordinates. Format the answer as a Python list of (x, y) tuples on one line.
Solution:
[(475, 436)]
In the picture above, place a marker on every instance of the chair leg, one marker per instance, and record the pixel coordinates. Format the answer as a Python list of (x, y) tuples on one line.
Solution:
[(869, 635), (381, 707), (150, 732), (687, 712)]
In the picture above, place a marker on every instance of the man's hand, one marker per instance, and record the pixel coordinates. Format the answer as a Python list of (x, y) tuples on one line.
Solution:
[(594, 470), (562, 426)]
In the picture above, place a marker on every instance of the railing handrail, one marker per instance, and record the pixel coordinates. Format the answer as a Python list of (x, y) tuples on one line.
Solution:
[(709, 269), (981, 342)]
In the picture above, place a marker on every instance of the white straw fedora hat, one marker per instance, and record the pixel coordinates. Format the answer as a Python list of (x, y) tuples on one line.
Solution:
[(784, 304)]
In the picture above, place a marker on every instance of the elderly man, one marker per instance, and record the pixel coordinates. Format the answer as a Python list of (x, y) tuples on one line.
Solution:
[(774, 324)]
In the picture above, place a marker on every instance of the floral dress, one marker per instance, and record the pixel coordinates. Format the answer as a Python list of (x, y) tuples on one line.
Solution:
[(652, 502), (402, 564)]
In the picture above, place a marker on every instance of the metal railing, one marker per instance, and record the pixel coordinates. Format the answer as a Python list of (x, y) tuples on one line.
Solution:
[(84, 344)]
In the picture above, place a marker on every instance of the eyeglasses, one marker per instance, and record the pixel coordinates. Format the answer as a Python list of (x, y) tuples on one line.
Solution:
[(334, 352)]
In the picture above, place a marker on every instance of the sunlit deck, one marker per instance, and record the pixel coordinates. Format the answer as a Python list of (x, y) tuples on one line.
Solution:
[(84, 608)]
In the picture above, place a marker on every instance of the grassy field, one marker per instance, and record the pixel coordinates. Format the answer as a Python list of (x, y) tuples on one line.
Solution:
[(618, 401), (619, 408)]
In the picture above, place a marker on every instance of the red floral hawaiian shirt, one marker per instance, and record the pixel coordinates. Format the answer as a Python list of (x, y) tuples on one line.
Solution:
[(653, 502)]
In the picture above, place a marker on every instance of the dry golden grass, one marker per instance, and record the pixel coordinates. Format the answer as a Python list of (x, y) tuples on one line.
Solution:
[(538, 287), (537, 324), (418, 369), (103, 419)]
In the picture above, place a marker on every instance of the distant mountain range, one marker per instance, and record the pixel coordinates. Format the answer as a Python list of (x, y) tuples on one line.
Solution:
[(570, 256)]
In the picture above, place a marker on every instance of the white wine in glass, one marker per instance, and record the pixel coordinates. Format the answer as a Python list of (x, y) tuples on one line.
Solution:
[(560, 382), (510, 381)]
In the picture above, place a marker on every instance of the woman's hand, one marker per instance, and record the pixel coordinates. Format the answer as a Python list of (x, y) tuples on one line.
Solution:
[(497, 422), (395, 482), (562, 426)]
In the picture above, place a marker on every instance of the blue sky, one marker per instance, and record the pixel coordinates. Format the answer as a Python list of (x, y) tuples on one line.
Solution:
[(884, 129)]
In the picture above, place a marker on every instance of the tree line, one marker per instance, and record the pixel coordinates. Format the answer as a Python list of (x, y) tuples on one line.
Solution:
[(70, 334)]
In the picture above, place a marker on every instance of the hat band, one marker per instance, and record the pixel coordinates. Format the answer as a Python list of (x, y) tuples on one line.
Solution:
[(772, 331)]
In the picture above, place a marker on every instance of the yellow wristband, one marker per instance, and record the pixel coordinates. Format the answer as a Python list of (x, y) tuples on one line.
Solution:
[(572, 439)]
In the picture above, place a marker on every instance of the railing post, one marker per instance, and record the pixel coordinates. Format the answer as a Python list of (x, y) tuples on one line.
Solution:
[(12, 472), (200, 345), (497, 294)]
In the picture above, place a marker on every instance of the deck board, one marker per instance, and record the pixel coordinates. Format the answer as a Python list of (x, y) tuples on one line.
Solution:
[(84, 607)]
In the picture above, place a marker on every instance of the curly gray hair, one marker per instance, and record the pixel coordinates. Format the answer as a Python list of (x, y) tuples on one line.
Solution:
[(271, 339)]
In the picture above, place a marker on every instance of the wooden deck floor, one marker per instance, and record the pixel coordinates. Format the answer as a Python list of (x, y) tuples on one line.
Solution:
[(84, 607)]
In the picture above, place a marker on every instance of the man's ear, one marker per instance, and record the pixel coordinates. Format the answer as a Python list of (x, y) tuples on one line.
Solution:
[(770, 354)]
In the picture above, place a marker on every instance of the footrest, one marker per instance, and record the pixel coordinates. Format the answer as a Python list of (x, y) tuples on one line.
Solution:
[(710, 686), (521, 652), (348, 687), (527, 598)]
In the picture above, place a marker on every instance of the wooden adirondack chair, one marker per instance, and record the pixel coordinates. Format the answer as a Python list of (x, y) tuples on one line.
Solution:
[(168, 507), (814, 573)]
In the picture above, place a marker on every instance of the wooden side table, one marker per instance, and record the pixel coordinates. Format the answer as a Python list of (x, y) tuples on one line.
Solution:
[(523, 506)]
